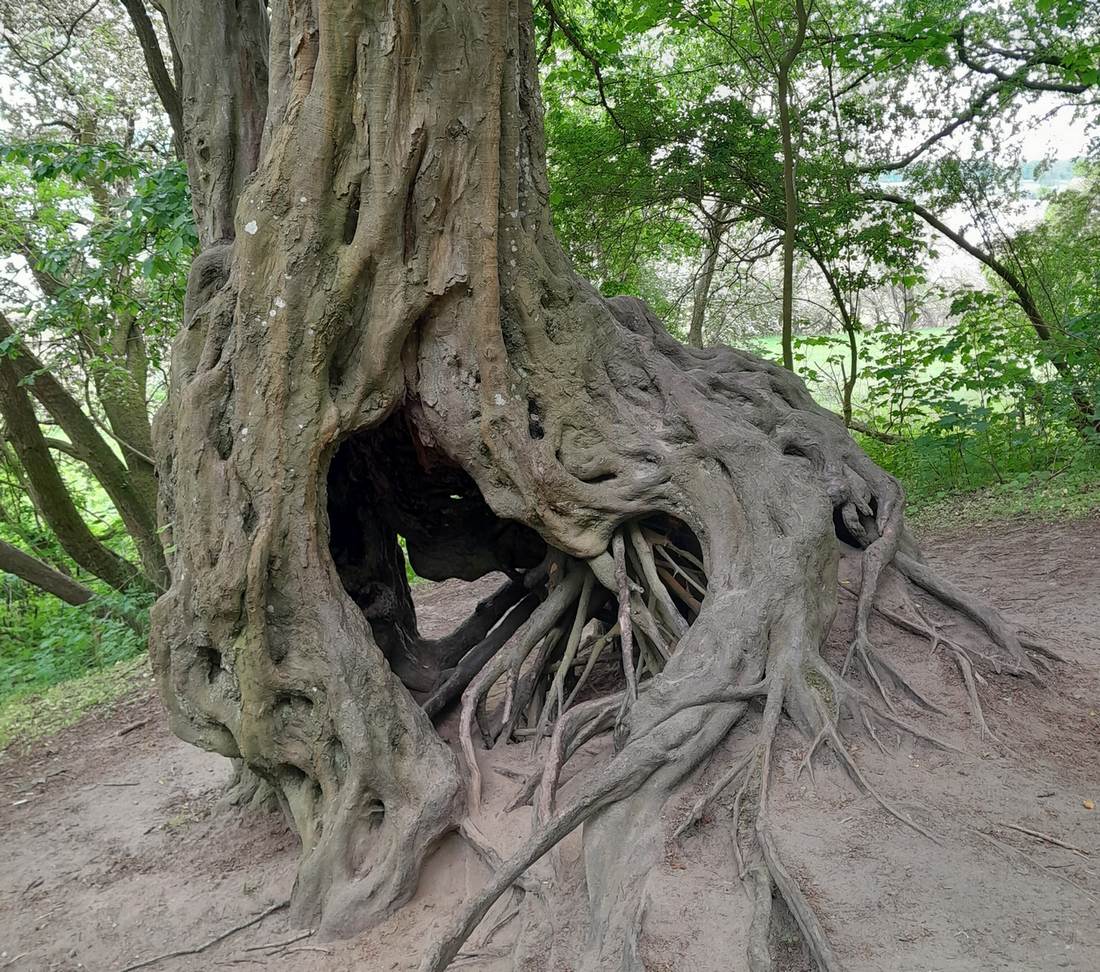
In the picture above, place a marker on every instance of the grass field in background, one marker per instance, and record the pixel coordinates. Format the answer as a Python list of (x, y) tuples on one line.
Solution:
[(815, 357), (28, 717)]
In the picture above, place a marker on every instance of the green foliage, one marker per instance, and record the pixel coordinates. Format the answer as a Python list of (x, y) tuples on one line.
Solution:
[(1068, 491), (27, 717), (44, 641), (109, 234), (663, 146), (977, 406)]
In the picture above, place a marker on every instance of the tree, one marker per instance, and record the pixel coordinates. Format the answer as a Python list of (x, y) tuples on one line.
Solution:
[(95, 237), (384, 340), (783, 66), (976, 66)]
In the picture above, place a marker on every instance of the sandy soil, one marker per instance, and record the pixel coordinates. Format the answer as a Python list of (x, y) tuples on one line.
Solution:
[(115, 848)]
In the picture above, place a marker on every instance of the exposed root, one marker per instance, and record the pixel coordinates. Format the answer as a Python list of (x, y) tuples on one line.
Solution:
[(859, 704), (1036, 864), (996, 626), (769, 869), (612, 786), (565, 730), (626, 628), (759, 946), (882, 673), (970, 679), (807, 764), (878, 553), (838, 747), (555, 693), (476, 658), (860, 650), (595, 649), (813, 934), (526, 639), (179, 952), (479, 843), (961, 654), (1039, 648), (654, 589), (716, 789), (530, 654), (965, 656), (642, 550), (761, 864)]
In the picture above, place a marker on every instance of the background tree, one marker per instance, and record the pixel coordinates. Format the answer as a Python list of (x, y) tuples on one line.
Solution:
[(96, 229), (95, 238)]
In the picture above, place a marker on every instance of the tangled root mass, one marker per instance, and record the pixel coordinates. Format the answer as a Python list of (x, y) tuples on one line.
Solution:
[(570, 648)]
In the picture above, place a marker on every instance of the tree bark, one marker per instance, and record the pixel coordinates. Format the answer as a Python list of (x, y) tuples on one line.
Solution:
[(715, 228), (42, 576), (390, 343), (158, 71), (222, 51), (851, 327), (46, 578), (121, 386)]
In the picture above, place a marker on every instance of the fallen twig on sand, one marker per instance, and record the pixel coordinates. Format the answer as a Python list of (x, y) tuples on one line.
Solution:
[(145, 963), (282, 944), (1039, 835), (1034, 863)]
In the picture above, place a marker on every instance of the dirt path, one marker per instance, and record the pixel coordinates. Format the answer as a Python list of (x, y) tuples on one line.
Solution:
[(114, 848)]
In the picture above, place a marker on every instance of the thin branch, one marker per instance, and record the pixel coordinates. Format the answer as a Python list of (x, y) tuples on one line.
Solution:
[(579, 46), (208, 944), (158, 70)]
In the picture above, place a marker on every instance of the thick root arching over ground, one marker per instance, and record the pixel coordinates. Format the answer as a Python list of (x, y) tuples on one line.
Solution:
[(387, 354), (665, 639), (596, 656)]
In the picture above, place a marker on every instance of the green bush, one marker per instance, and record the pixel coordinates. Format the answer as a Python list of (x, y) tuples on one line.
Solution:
[(44, 641)]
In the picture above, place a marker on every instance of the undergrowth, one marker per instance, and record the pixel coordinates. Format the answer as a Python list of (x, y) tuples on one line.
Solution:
[(44, 641), (33, 715)]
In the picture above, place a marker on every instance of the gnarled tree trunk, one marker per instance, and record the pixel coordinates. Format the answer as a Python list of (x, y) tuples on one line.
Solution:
[(388, 342)]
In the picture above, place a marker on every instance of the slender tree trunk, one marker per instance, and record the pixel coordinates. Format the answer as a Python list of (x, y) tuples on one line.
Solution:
[(386, 341), (133, 497), (790, 187), (121, 386), (42, 576), (46, 578), (48, 491), (851, 328), (158, 72), (715, 227)]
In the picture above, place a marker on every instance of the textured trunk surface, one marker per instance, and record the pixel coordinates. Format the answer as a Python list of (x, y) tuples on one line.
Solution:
[(388, 342)]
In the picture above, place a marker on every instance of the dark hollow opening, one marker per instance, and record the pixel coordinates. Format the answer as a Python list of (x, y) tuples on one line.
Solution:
[(391, 496)]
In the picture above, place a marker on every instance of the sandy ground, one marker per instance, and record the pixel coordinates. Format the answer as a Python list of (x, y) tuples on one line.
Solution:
[(115, 849)]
